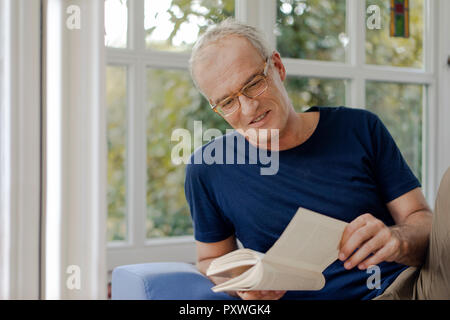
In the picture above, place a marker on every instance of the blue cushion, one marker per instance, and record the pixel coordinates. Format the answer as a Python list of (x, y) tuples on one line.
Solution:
[(162, 281)]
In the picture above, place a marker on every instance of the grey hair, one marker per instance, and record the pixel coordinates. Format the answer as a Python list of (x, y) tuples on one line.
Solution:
[(229, 27)]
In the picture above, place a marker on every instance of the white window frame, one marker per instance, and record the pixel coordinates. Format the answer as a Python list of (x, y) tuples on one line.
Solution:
[(138, 249)]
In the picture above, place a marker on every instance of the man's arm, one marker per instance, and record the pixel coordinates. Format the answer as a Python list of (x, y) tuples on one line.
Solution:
[(207, 252), (406, 242)]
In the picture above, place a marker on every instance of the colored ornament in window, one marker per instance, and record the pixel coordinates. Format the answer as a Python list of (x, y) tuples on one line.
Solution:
[(399, 18)]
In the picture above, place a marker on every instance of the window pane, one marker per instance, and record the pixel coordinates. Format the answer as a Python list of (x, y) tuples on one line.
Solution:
[(400, 106), (174, 25), (116, 23), (308, 92), (382, 49), (312, 29), (116, 102), (172, 102)]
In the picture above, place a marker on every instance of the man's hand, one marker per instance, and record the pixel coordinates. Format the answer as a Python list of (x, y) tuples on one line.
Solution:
[(371, 236), (406, 242), (261, 294)]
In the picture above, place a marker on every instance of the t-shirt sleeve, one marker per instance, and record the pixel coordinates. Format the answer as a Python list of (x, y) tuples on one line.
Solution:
[(210, 225), (392, 173)]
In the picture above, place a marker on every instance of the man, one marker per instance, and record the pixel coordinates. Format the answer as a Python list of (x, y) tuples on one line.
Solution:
[(338, 161)]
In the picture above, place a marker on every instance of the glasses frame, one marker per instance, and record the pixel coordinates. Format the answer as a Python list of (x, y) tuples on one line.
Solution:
[(241, 91)]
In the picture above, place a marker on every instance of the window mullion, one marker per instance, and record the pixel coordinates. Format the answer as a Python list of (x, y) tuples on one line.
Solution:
[(267, 20), (140, 155), (138, 128), (247, 11), (260, 14), (138, 26), (430, 35), (431, 92), (356, 54), (241, 11), (135, 161)]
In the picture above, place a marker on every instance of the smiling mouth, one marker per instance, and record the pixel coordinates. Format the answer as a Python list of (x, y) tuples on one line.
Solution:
[(260, 117)]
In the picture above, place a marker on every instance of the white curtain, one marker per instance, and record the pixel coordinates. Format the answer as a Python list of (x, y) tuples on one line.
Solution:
[(75, 150), (19, 148)]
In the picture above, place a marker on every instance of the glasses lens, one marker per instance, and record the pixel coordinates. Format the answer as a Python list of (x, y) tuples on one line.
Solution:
[(256, 87), (228, 105)]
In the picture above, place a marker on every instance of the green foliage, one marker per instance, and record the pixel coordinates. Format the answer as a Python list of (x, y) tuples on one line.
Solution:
[(172, 102), (311, 29), (399, 106), (116, 97), (308, 92), (183, 13)]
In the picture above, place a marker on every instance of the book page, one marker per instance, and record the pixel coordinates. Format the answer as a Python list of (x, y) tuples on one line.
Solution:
[(239, 260), (273, 277), (310, 241), (295, 262), (243, 282), (282, 277)]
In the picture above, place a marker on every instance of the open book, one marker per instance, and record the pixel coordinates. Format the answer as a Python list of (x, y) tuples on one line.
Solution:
[(296, 261)]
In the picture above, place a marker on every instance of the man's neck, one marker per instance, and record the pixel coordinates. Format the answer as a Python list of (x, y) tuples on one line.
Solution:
[(299, 127)]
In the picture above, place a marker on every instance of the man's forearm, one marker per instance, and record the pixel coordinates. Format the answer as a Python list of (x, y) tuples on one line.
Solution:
[(414, 235)]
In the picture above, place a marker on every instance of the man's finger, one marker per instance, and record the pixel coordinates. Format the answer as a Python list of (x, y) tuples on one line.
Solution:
[(384, 254), (369, 247), (358, 237), (351, 228), (260, 294)]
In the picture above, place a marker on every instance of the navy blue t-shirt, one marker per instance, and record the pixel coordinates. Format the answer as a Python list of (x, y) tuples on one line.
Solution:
[(349, 166)]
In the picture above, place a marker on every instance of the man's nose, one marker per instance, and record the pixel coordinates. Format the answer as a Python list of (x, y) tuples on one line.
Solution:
[(248, 105)]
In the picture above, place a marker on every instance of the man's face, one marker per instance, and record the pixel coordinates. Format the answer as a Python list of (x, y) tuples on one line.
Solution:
[(224, 68)]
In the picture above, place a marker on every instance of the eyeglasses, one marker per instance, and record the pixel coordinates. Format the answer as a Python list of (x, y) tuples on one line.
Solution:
[(251, 90)]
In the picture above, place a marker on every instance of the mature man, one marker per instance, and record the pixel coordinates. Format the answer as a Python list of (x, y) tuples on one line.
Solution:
[(341, 162)]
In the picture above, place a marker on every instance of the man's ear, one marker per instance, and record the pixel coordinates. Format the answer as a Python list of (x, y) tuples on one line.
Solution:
[(278, 64)]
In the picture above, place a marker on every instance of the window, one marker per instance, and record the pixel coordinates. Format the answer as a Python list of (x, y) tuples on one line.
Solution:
[(307, 92), (400, 107), (331, 56), (149, 93), (174, 25), (167, 210), (381, 49), (116, 23)]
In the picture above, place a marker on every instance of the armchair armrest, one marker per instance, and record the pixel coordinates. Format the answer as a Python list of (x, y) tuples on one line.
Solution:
[(162, 281)]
